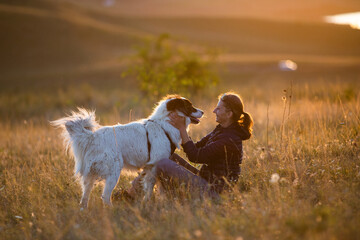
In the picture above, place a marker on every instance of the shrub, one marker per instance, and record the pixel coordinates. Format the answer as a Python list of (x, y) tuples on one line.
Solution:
[(162, 67)]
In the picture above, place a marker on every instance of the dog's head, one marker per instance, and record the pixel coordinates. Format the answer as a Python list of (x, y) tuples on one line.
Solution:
[(182, 106)]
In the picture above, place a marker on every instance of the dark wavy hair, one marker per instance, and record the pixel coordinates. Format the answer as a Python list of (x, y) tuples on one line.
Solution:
[(233, 102)]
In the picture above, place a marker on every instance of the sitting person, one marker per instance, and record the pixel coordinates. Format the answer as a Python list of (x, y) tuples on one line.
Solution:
[(220, 152)]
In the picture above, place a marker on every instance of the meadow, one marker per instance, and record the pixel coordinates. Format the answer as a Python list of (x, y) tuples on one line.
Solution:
[(307, 127), (312, 143)]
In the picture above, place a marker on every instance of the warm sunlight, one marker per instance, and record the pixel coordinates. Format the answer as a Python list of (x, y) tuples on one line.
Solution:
[(102, 136), (352, 19)]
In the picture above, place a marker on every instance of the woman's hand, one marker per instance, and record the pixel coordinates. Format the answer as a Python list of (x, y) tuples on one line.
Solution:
[(177, 121)]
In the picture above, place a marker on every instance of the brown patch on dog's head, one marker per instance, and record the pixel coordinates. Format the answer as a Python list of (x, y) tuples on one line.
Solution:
[(177, 103)]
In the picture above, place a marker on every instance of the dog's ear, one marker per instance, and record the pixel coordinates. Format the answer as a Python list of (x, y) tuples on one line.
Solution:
[(70, 127), (175, 104)]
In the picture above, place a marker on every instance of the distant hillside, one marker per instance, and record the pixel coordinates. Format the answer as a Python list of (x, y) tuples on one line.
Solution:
[(259, 36), (53, 36), (50, 37), (294, 10)]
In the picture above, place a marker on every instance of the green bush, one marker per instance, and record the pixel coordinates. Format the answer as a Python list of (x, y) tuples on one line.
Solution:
[(162, 67)]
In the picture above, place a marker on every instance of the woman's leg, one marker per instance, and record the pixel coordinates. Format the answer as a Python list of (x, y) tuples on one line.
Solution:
[(172, 175), (182, 162), (136, 186)]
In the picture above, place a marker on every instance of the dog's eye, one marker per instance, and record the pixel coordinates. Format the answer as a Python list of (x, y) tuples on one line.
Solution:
[(190, 109)]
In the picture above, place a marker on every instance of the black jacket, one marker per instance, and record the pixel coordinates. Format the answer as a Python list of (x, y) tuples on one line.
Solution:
[(220, 152)]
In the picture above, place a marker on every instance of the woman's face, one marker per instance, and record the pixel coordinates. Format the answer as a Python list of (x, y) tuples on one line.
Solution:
[(223, 115)]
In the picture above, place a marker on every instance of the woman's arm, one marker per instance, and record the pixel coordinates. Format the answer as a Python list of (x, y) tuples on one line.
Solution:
[(211, 152), (203, 141), (179, 123)]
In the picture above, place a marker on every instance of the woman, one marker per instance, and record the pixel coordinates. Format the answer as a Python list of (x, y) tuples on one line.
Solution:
[(220, 152)]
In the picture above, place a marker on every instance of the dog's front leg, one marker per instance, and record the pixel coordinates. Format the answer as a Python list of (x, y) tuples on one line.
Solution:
[(149, 181)]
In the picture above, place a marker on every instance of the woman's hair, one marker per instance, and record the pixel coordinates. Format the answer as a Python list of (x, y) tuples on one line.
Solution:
[(234, 103)]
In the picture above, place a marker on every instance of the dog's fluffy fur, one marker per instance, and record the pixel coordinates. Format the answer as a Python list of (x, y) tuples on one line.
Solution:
[(102, 152)]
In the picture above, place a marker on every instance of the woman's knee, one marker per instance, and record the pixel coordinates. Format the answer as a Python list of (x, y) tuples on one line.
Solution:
[(163, 165)]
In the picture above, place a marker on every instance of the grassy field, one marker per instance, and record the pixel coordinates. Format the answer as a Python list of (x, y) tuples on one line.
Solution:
[(314, 149), (56, 57)]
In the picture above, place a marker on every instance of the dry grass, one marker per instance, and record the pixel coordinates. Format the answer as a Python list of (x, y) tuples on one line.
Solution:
[(316, 197)]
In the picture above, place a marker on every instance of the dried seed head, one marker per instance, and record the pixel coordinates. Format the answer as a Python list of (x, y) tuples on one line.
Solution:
[(274, 178)]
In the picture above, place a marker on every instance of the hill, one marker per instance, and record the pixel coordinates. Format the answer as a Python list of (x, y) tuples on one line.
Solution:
[(49, 42)]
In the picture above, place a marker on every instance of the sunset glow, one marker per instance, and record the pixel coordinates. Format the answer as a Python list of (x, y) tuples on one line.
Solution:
[(351, 19)]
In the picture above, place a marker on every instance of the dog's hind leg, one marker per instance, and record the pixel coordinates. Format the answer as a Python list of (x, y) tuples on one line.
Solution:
[(110, 184), (87, 185)]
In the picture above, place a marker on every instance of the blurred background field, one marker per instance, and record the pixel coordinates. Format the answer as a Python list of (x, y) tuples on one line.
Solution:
[(58, 55)]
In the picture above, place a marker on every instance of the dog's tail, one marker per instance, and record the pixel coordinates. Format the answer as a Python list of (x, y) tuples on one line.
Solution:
[(77, 129)]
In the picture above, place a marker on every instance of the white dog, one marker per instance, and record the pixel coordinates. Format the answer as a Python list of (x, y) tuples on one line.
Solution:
[(102, 152)]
